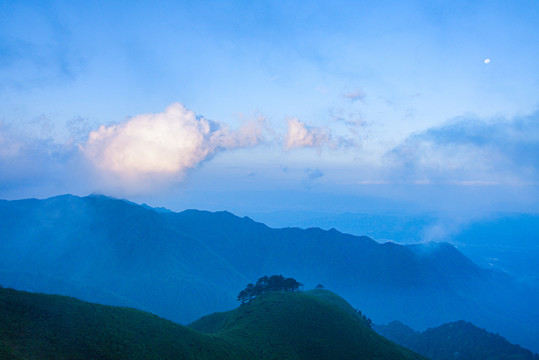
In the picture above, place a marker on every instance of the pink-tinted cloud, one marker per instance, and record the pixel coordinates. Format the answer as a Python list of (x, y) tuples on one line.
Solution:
[(164, 144), (300, 135)]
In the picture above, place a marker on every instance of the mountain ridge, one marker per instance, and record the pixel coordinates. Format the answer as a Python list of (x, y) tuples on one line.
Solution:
[(460, 339), (129, 250)]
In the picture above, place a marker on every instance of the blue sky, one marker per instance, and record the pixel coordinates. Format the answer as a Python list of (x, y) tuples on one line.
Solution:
[(253, 107)]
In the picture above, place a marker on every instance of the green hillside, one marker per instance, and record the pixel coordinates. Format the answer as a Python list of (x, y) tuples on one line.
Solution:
[(312, 325), (37, 326)]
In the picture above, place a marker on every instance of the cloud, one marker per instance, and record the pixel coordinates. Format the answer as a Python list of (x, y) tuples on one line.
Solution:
[(355, 95), (38, 58), (78, 129), (37, 166), (164, 144), (300, 135), (145, 154), (354, 123), (352, 119), (311, 176), (473, 151), (8, 146)]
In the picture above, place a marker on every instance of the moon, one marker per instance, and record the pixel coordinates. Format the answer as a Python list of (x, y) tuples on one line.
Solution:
[(487, 61)]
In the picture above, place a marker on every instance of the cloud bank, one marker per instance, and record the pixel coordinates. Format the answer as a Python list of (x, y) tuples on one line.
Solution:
[(473, 151), (164, 144), (300, 135), (38, 166)]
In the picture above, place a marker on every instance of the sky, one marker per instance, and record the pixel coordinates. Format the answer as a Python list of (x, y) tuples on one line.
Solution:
[(274, 107)]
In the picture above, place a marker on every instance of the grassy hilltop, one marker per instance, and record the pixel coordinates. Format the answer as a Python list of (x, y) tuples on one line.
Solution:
[(316, 324), (312, 325)]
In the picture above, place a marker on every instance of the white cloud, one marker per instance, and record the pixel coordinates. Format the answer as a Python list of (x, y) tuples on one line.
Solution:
[(300, 135), (164, 144)]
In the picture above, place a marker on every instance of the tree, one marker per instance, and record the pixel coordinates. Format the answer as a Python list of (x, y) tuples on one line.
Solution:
[(243, 296), (364, 318), (291, 284), (276, 283), (265, 284)]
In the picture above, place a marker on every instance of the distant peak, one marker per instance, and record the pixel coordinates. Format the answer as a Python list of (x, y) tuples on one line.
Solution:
[(94, 194), (431, 247), (156, 209)]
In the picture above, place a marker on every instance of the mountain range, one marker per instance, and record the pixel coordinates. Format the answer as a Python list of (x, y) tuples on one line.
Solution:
[(184, 265)]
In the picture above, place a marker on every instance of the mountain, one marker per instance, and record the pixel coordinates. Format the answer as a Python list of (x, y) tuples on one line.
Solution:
[(183, 265), (456, 340), (128, 253), (273, 326), (505, 241), (423, 285)]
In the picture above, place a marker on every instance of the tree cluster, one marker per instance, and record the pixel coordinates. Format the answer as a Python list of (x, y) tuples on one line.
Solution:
[(265, 284), (365, 319)]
